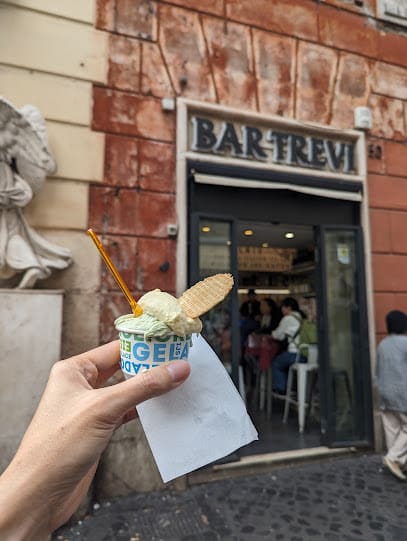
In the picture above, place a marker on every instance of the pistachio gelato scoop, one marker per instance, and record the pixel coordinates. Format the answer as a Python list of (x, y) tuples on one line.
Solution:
[(162, 314)]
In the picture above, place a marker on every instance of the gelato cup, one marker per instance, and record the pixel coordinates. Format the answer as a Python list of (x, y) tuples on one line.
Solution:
[(161, 334), (138, 353)]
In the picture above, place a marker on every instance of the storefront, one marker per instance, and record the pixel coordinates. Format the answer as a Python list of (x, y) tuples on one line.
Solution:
[(204, 136), (282, 205)]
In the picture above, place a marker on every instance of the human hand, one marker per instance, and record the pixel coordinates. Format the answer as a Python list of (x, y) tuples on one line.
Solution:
[(58, 456)]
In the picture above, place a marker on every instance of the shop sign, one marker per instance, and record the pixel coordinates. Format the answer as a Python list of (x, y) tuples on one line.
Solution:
[(253, 258), (393, 10), (271, 145)]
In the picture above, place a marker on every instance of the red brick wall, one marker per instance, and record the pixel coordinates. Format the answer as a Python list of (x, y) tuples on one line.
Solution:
[(309, 60)]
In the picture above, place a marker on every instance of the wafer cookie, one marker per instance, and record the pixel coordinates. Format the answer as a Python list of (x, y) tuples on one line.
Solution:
[(206, 294)]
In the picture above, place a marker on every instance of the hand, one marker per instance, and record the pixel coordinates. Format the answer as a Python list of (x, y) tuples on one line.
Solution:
[(58, 456)]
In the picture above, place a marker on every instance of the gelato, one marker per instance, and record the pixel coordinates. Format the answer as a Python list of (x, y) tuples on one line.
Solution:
[(162, 315)]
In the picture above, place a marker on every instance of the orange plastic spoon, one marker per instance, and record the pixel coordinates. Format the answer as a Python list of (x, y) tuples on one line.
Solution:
[(135, 308)]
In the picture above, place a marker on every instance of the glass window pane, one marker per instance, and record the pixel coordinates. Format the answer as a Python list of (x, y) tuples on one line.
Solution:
[(214, 247), (344, 331), (215, 257)]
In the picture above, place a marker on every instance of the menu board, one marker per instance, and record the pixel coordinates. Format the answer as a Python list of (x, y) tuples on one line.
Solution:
[(253, 258)]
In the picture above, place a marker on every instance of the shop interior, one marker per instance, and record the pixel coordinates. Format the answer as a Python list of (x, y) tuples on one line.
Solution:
[(274, 261)]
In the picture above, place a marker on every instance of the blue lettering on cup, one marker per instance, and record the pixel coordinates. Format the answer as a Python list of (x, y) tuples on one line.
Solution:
[(172, 356), (136, 367), (184, 354), (127, 366), (159, 352), (141, 351)]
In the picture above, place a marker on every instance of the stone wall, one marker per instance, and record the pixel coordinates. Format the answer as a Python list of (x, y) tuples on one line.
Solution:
[(303, 59)]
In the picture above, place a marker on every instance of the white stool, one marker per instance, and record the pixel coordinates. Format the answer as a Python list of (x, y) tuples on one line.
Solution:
[(302, 370)]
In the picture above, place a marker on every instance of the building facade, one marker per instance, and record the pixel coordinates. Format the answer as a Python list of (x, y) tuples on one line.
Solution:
[(167, 117)]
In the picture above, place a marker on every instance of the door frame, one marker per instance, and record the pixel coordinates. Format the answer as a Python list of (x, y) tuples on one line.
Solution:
[(193, 273), (184, 152)]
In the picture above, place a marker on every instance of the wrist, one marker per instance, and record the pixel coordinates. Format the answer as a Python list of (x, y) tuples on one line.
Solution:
[(24, 510)]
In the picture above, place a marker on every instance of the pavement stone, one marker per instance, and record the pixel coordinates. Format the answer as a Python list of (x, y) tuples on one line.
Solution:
[(341, 499)]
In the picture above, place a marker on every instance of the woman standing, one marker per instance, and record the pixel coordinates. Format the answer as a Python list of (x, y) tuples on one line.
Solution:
[(391, 380)]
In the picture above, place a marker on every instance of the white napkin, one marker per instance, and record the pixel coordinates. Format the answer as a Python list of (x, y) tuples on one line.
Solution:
[(202, 421)]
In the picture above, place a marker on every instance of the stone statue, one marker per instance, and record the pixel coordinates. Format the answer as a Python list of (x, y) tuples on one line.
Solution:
[(25, 161)]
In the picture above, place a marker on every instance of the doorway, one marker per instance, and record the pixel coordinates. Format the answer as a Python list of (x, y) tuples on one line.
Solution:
[(321, 265), (274, 261)]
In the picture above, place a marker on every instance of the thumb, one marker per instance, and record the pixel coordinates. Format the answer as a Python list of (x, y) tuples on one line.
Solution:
[(123, 396)]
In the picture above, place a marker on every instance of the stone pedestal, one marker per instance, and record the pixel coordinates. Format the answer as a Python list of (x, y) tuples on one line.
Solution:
[(127, 465), (30, 342)]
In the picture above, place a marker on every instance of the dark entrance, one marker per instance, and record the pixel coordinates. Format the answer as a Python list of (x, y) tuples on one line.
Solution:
[(333, 284)]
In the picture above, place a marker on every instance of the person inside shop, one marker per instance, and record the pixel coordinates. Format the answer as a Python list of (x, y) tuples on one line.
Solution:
[(60, 451), (391, 381), (261, 347), (250, 316), (288, 334), (250, 308), (270, 316)]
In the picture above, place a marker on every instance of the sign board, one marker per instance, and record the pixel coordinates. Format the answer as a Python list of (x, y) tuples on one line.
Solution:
[(260, 142), (253, 258), (394, 11)]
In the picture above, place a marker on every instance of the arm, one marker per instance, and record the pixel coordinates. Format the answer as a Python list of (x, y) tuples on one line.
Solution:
[(60, 451), (288, 328), (280, 332)]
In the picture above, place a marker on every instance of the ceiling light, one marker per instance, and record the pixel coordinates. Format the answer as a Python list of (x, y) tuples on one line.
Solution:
[(228, 242), (248, 232), (265, 245), (289, 235), (205, 229)]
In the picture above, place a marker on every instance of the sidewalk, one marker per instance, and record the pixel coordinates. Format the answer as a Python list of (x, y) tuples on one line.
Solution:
[(341, 499)]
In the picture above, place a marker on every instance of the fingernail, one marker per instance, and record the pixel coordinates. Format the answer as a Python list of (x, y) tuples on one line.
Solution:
[(177, 370)]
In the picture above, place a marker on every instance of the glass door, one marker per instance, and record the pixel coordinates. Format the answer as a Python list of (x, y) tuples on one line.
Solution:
[(213, 251), (345, 385)]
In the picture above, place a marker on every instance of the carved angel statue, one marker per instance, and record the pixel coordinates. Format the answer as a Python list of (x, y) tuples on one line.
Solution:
[(25, 161)]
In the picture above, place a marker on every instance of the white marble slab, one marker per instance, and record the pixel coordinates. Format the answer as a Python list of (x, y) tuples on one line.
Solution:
[(30, 342)]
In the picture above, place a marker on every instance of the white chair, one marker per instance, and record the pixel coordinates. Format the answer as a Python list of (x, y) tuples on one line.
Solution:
[(302, 370)]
